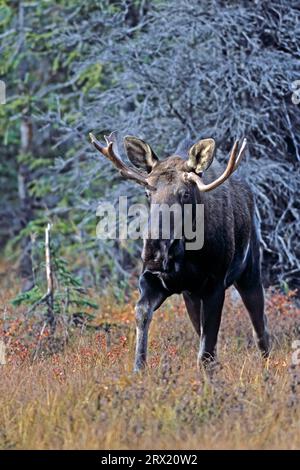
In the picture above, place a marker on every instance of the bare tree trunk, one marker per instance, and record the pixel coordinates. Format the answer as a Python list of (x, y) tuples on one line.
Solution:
[(49, 275), (25, 262)]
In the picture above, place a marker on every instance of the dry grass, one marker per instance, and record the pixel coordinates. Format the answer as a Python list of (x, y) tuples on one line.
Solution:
[(86, 397)]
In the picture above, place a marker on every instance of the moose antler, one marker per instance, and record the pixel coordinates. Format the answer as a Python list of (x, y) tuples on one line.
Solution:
[(109, 152), (233, 163)]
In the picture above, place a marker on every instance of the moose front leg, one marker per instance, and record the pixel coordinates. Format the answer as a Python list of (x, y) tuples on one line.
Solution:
[(211, 312), (152, 295)]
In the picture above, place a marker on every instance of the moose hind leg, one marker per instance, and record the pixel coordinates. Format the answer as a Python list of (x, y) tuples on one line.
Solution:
[(193, 306), (152, 296), (211, 313), (253, 299)]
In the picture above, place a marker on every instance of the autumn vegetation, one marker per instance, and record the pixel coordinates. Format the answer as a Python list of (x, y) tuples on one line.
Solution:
[(163, 71), (78, 391)]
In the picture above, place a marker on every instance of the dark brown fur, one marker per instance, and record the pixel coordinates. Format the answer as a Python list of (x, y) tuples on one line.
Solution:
[(230, 255)]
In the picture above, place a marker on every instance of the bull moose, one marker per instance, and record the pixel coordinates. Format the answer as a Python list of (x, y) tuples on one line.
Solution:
[(231, 251)]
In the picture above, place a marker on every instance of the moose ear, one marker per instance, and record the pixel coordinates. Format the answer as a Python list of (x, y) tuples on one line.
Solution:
[(201, 155), (140, 153)]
